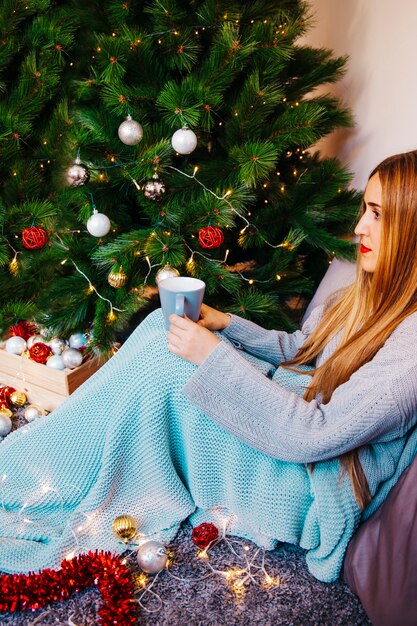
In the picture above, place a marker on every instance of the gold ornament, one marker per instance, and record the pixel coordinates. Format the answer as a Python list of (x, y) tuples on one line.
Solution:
[(117, 279), (5, 411), (166, 272), (124, 527), (18, 398), (14, 266)]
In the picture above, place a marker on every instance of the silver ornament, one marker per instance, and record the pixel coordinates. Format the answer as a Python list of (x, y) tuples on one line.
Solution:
[(152, 557), (71, 358), (77, 174), (16, 345), (32, 412), (5, 424), (130, 132), (77, 340), (166, 272), (98, 224), (153, 189), (57, 345), (184, 140), (35, 339), (55, 362)]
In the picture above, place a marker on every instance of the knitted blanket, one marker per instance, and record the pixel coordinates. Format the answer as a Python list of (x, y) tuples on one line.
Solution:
[(128, 441)]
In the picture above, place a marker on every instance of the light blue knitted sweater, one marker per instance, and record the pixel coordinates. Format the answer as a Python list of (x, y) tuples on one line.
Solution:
[(130, 441)]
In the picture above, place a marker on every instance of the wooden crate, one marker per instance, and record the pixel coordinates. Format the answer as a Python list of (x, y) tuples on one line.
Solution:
[(41, 384)]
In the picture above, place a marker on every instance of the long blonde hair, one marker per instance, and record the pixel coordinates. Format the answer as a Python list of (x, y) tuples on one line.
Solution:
[(367, 312)]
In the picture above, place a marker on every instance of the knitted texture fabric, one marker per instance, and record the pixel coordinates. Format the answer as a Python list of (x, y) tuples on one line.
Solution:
[(129, 441)]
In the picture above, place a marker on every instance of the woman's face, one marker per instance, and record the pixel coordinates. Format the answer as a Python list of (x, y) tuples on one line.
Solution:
[(368, 229)]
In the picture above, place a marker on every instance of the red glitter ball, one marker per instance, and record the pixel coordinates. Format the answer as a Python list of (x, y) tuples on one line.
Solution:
[(34, 237), (40, 352), (210, 237), (5, 393), (204, 534)]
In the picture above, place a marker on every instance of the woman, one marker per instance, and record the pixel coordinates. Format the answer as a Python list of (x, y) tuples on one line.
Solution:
[(208, 429)]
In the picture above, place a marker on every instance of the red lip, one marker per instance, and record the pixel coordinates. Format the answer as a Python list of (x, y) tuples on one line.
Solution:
[(364, 249)]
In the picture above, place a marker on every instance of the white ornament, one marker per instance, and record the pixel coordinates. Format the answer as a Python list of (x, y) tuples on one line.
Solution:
[(35, 339), (152, 557), (166, 272), (5, 425), (184, 140), (32, 412), (130, 132), (98, 224), (55, 362), (77, 174), (77, 340), (16, 345), (71, 358), (57, 345)]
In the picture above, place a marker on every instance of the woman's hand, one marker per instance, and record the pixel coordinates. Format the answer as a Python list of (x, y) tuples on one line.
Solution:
[(189, 340), (213, 319)]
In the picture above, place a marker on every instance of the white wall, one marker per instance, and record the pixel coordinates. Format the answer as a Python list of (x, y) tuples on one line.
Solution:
[(380, 86)]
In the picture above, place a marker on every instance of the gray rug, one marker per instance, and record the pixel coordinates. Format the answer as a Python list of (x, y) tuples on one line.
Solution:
[(201, 599)]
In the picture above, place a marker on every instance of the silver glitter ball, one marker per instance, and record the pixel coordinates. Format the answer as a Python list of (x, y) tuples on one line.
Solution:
[(15, 345), (32, 412), (77, 174), (57, 345), (166, 272), (130, 132), (55, 362), (153, 189), (5, 425), (77, 340), (35, 339), (152, 557), (72, 358)]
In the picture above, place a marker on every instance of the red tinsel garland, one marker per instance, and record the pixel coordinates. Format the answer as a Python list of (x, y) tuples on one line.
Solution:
[(29, 592), (23, 329), (40, 352)]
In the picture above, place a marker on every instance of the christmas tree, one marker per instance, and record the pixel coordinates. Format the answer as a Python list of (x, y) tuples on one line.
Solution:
[(140, 139)]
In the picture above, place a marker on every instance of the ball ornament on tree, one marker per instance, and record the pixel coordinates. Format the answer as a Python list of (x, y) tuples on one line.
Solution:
[(153, 189), (210, 237), (117, 279), (98, 224), (152, 557), (184, 140), (124, 527), (204, 534), (77, 174), (130, 132), (166, 272), (34, 237)]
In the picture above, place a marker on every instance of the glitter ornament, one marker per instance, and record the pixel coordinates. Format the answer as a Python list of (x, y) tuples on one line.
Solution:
[(5, 421), (15, 345), (153, 189), (5, 393), (55, 362), (77, 340), (166, 272), (23, 329), (210, 237), (77, 174), (117, 279), (34, 237), (71, 358), (152, 557), (18, 398), (204, 534), (57, 345), (98, 224), (124, 527), (184, 140), (130, 132), (32, 412), (40, 352)]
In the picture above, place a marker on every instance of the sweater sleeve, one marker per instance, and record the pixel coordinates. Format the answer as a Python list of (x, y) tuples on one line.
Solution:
[(378, 403), (273, 346)]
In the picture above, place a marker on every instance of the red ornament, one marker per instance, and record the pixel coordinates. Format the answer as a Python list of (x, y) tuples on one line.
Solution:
[(34, 237), (40, 352), (29, 592), (5, 393), (23, 329), (210, 237), (204, 534)]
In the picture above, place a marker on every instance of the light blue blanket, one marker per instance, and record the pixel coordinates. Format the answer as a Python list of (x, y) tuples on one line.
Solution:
[(128, 441)]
